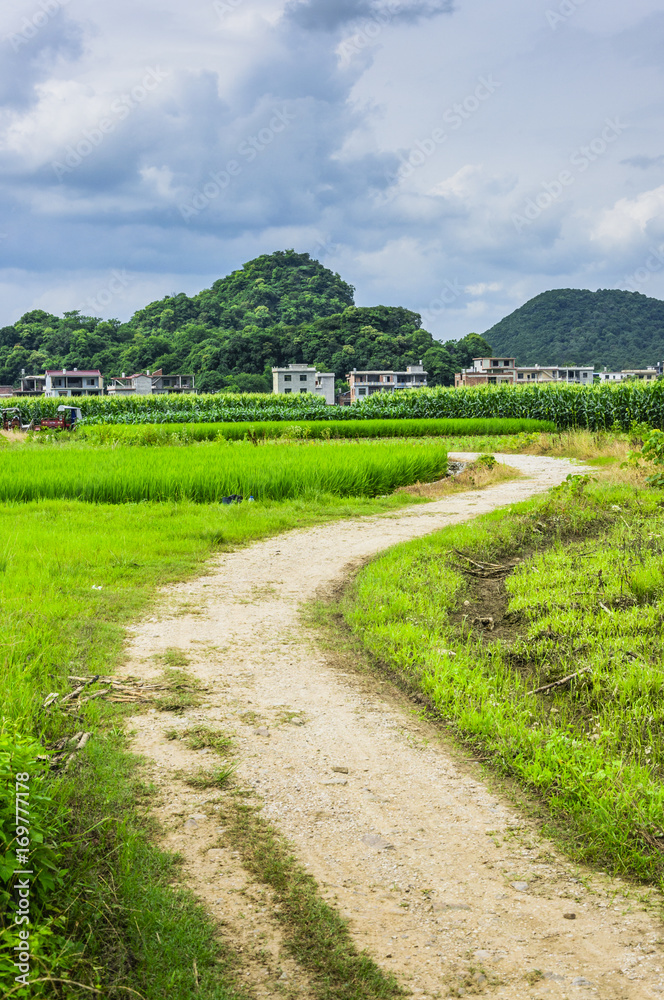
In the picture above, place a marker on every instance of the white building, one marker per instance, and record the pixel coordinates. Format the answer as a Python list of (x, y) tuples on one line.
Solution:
[(62, 382), (131, 385), (493, 371), (371, 380), (298, 379)]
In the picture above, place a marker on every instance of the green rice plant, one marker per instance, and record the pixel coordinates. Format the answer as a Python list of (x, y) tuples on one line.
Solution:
[(155, 434), (217, 470)]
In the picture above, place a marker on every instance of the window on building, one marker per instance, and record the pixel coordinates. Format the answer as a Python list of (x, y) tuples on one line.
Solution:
[(303, 378), (520, 375), (303, 390), (287, 378), (361, 392), (287, 390)]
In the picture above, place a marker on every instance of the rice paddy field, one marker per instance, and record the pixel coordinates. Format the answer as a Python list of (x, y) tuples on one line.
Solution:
[(149, 434), (210, 471)]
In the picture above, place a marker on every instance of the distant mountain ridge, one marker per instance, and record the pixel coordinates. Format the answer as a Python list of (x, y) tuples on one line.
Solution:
[(608, 328)]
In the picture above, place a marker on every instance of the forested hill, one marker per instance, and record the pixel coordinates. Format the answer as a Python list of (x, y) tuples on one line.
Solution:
[(278, 309), (572, 326)]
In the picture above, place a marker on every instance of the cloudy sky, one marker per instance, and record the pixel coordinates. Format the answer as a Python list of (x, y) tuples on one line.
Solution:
[(452, 156)]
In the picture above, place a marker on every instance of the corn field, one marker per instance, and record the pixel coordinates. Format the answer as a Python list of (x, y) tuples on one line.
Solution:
[(595, 407)]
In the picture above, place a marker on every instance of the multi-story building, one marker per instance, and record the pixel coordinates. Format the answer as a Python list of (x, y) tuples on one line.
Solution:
[(172, 383), (643, 374), (298, 379), (31, 385), (139, 384), (494, 371), (73, 383), (146, 383), (366, 383)]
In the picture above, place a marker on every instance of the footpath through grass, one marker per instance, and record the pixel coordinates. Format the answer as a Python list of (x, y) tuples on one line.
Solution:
[(488, 620), (105, 914)]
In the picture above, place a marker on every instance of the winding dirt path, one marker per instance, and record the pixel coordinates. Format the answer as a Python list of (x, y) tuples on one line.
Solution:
[(443, 880)]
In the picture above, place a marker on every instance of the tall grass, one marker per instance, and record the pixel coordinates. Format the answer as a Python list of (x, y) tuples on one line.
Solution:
[(150, 434), (207, 473)]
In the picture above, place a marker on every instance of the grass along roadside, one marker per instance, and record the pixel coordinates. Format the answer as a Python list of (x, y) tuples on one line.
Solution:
[(586, 598), (79, 573)]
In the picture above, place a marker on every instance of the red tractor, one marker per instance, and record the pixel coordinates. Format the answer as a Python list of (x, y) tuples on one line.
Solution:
[(65, 421)]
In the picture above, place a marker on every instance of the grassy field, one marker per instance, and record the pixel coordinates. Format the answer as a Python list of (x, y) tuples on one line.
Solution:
[(573, 585), (105, 911), (210, 471), (151, 434)]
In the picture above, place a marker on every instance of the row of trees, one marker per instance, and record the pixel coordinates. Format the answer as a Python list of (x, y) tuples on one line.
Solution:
[(279, 309)]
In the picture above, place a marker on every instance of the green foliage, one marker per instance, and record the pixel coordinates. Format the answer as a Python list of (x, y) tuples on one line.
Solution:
[(36, 828), (278, 309), (588, 596), (572, 326), (152, 434), (653, 451), (211, 471)]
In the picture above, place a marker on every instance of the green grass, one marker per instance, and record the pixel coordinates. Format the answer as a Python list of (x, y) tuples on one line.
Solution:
[(74, 575), (210, 471), (588, 594), (186, 433), (55, 553)]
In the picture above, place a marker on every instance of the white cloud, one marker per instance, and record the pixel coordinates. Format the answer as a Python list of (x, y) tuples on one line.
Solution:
[(630, 217)]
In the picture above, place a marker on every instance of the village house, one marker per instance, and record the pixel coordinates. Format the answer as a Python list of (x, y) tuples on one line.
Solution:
[(643, 374), (64, 382), (139, 384), (146, 384), (303, 378), (494, 371), (172, 383), (367, 382)]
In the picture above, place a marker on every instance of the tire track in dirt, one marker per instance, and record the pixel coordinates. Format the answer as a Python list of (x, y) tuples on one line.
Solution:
[(444, 882)]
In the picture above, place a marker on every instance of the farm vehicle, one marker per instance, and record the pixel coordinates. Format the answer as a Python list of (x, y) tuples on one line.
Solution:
[(65, 420)]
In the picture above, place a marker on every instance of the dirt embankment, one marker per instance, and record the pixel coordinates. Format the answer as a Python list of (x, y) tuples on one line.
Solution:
[(444, 882)]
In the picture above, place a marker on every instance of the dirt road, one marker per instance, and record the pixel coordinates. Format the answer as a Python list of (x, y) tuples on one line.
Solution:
[(444, 882)]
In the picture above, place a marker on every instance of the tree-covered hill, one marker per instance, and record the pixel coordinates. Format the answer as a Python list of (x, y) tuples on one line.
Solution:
[(278, 309), (608, 328)]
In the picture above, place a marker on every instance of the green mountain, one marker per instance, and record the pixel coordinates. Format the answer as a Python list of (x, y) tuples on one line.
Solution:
[(278, 309), (573, 326)]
